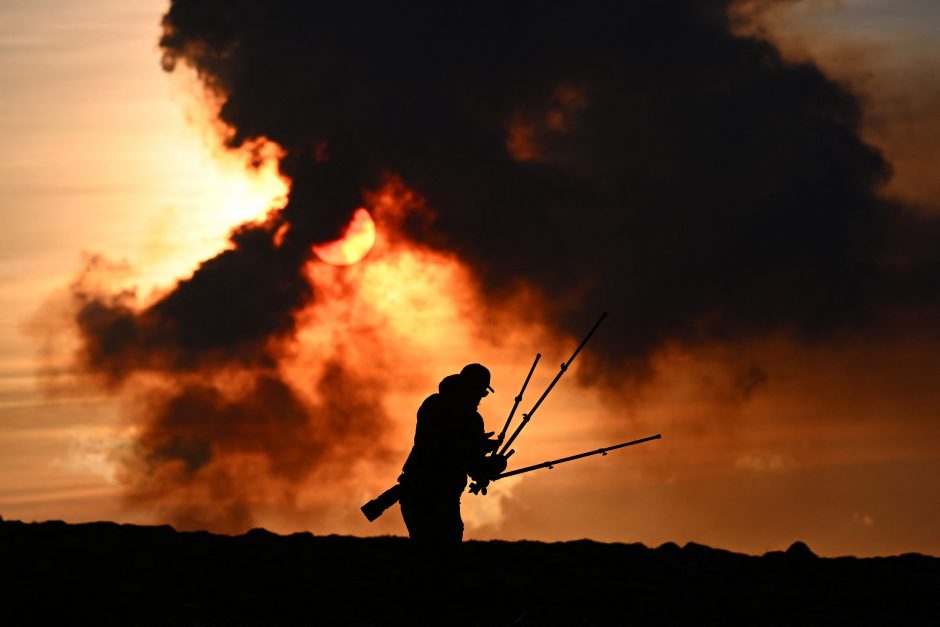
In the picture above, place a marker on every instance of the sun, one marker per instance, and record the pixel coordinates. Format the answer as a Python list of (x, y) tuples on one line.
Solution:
[(357, 240)]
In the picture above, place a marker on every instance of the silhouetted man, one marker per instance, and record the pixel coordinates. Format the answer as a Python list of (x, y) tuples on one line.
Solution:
[(450, 444)]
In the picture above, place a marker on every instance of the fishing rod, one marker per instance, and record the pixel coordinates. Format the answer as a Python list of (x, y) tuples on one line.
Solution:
[(552, 463), (564, 367), (479, 487), (518, 399)]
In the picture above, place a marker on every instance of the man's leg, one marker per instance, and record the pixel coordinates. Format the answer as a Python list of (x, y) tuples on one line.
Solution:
[(436, 532)]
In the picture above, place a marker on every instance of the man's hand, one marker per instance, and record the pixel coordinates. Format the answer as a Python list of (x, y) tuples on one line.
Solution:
[(490, 444), (488, 468), (499, 465)]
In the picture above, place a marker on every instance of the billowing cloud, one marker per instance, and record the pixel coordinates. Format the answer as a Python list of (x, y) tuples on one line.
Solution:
[(640, 158)]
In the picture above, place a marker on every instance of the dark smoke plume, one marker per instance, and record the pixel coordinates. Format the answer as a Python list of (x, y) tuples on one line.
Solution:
[(208, 459), (224, 434), (636, 157)]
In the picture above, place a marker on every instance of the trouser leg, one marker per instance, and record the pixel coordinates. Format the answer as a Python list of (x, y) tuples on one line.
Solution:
[(436, 532)]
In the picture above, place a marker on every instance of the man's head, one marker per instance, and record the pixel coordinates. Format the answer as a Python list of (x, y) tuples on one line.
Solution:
[(476, 380)]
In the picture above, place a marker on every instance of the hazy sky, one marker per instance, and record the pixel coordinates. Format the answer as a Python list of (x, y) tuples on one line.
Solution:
[(98, 157), (103, 152)]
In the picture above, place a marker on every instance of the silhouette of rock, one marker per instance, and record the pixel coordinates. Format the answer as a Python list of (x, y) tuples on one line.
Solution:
[(109, 574), (799, 550)]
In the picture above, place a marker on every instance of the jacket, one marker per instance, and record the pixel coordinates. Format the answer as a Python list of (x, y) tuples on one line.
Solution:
[(448, 445)]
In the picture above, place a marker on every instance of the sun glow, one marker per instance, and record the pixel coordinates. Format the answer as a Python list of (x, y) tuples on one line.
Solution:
[(404, 317), (357, 240), (192, 225), (197, 188)]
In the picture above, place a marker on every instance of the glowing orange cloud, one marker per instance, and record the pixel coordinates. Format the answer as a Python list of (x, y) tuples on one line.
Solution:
[(356, 242)]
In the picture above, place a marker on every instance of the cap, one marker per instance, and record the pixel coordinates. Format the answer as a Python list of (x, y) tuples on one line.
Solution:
[(477, 375)]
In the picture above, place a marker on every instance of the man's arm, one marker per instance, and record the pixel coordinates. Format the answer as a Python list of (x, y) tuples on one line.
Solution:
[(483, 467)]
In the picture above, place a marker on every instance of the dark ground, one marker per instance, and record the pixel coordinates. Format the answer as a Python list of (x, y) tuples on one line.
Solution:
[(110, 574)]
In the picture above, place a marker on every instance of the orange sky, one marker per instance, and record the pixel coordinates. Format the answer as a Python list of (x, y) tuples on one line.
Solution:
[(104, 154)]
